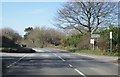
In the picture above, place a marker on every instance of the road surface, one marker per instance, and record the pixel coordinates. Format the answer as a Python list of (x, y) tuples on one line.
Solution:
[(55, 62)]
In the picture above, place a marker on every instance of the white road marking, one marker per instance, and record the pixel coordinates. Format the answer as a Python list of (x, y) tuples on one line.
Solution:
[(70, 65), (59, 57), (79, 72), (16, 61), (54, 54)]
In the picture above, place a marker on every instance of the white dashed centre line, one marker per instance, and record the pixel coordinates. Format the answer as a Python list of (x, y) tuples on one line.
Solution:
[(70, 65), (59, 57), (79, 72)]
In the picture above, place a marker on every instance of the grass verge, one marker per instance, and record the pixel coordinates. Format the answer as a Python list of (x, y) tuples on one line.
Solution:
[(95, 52)]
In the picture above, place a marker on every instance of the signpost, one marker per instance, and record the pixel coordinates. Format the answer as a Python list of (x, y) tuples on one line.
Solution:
[(110, 41), (92, 41), (95, 36)]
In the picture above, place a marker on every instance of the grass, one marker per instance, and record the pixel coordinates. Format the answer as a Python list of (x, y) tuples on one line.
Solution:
[(17, 50), (95, 52)]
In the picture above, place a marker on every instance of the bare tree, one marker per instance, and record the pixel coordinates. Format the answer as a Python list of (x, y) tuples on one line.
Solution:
[(11, 34), (85, 16), (40, 37), (9, 37)]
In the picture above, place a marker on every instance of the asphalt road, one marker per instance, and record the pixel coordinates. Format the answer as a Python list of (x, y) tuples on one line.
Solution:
[(54, 62)]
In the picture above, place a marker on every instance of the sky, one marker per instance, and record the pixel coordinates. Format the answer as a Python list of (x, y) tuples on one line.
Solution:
[(20, 15)]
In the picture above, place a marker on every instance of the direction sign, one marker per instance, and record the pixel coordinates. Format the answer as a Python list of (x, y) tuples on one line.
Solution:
[(91, 41), (110, 35), (95, 36)]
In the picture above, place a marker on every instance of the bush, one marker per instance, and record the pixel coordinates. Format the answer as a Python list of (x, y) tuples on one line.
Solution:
[(9, 37), (41, 37), (102, 44), (11, 34), (84, 42), (71, 41), (17, 50), (6, 42), (116, 38)]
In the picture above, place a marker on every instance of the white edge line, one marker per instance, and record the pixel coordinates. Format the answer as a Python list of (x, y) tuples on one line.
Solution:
[(16, 61), (79, 72)]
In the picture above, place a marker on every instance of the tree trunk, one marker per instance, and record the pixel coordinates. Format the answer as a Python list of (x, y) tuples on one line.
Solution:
[(89, 28)]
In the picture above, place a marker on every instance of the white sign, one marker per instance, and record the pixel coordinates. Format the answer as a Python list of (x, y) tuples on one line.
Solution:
[(110, 35), (92, 41), (95, 36)]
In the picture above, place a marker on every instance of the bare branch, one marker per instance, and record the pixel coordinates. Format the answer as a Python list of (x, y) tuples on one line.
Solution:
[(89, 15)]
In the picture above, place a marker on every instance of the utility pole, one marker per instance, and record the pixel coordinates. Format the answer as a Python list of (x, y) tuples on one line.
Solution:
[(110, 41)]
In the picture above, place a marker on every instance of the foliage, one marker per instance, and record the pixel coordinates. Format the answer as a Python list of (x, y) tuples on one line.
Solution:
[(77, 41), (42, 37), (82, 41), (27, 30), (11, 34), (9, 37), (102, 43), (6, 42), (115, 34), (71, 40), (17, 50)]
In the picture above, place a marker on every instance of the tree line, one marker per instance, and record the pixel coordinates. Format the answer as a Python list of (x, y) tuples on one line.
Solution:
[(49, 37)]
